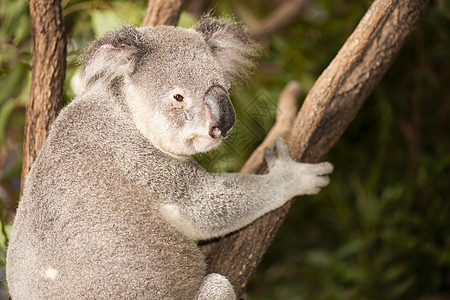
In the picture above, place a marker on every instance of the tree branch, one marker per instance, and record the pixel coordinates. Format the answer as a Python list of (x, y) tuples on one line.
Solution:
[(47, 79), (286, 112), (281, 17), (328, 109), (163, 12)]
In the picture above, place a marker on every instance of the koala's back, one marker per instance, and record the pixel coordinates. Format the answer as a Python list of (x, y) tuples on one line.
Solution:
[(85, 229)]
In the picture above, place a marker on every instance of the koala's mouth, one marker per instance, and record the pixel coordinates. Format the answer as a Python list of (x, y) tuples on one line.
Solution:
[(204, 143)]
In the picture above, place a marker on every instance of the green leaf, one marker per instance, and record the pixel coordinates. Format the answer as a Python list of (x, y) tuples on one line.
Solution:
[(5, 113), (12, 83), (104, 21), (186, 20)]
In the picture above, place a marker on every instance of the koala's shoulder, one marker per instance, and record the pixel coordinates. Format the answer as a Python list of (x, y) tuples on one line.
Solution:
[(88, 111)]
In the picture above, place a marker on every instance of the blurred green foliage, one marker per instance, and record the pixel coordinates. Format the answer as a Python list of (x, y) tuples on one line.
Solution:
[(381, 230)]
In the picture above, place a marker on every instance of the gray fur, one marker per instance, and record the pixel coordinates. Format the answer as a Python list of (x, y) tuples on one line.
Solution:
[(113, 203)]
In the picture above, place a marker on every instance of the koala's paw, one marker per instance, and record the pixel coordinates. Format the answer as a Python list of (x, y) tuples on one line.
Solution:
[(296, 178)]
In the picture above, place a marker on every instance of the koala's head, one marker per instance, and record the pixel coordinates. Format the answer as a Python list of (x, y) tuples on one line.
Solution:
[(175, 80)]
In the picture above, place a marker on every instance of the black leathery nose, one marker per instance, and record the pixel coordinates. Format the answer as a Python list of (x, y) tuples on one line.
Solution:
[(221, 110)]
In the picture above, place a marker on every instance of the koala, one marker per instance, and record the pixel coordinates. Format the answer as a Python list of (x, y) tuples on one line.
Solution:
[(114, 203)]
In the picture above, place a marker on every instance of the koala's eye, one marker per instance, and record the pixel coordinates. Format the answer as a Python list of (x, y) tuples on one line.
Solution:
[(178, 97)]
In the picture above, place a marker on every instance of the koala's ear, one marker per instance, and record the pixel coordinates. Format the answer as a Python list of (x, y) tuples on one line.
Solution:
[(116, 53), (234, 50)]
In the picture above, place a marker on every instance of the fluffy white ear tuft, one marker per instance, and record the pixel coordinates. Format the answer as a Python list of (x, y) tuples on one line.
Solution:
[(234, 50), (113, 54)]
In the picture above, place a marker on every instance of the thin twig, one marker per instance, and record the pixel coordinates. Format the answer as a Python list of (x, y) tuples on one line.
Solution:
[(286, 112), (279, 19)]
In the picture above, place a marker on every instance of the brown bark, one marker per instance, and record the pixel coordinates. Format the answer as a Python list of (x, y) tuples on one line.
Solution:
[(162, 12), (328, 109), (47, 79)]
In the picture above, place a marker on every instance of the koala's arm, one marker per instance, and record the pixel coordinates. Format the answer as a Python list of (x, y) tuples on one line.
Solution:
[(217, 204)]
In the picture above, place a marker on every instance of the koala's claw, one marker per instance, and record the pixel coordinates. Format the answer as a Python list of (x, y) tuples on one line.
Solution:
[(300, 178), (322, 181), (270, 157), (281, 152), (282, 149), (318, 176), (323, 168)]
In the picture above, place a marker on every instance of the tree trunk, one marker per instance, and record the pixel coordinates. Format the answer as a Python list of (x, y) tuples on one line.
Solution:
[(47, 79), (328, 109), (162, 12)]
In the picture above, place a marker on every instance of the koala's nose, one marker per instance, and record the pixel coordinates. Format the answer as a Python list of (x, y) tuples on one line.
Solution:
[(221, 112)]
